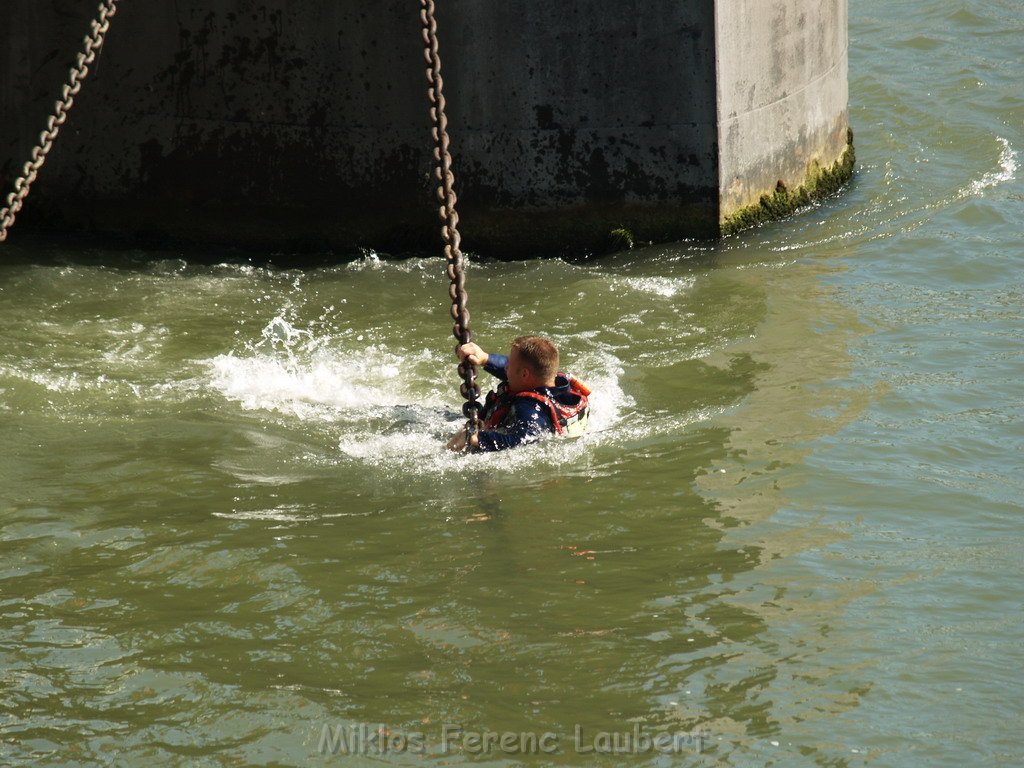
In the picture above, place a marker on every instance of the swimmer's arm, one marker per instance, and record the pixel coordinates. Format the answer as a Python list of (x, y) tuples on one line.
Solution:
[(495, 365)]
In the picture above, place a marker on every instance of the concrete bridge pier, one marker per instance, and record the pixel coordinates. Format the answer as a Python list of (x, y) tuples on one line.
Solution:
[(303, 125), (783, 121)]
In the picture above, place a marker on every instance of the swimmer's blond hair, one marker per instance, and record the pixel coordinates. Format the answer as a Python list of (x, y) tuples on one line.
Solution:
[(539, 354)]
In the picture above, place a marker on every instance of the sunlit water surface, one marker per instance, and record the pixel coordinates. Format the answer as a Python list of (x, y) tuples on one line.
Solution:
[(227, 519)]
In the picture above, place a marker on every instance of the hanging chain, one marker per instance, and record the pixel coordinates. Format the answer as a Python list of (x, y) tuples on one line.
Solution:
[(449, 217), (93, 42)]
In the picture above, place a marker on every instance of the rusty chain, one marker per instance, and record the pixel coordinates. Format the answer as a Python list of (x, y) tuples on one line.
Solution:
[(449, 216), (93, 43)]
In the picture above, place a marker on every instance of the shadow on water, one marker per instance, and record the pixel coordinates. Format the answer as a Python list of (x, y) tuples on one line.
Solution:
[(26, 248), (53, 248)]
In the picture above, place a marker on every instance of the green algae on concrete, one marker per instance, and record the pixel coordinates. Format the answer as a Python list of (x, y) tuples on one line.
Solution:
[(819, 184), (621, 239)]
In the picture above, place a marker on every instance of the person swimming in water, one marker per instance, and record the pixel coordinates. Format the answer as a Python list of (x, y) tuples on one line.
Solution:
[(532, 400)]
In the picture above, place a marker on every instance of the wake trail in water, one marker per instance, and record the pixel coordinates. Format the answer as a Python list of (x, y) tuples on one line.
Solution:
[(871, 227), (1007, 171)]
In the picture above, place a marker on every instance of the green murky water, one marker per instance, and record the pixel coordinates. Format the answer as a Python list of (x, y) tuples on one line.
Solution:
[(226, 521)]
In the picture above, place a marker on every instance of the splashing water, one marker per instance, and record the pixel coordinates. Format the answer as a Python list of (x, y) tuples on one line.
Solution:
[(1007, 170), (294, 372), (665, 287), (417, 445), (388, 407)]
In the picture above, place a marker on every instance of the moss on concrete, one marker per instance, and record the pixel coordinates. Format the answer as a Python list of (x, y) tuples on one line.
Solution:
[(819, 184), (621, 239)]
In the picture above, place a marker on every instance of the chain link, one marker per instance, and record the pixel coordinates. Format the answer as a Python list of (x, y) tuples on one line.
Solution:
[(449, 216), (93, 43)]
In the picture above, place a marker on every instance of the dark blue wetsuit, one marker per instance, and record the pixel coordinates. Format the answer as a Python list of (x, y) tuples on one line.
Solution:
[(532, 418)]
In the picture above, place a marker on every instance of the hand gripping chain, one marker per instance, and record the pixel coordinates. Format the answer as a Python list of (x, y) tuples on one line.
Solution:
[(93, 43), (449, 217)]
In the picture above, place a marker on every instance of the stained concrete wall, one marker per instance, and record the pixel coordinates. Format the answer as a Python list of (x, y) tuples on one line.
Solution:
[(782, 93), (272, 124), (304, 124)]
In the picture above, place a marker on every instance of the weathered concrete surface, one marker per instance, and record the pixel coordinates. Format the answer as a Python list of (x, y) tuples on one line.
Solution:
[(782, 93), (225, 121), (303, 125)]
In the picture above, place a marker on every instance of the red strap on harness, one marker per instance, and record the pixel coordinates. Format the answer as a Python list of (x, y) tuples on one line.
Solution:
[(551, 407), (575, 386)]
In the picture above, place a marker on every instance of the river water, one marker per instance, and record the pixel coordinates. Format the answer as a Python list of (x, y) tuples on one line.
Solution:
[(227, 521)]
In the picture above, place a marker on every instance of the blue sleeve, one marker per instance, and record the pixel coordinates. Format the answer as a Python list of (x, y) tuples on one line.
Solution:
[(532, 421), (497, 365)]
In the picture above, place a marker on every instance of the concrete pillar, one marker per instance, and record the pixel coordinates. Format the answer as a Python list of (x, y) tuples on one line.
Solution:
[(782, 104), (303, 125)]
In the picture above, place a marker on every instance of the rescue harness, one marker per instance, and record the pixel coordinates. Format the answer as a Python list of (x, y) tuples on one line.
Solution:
[(568, 420)]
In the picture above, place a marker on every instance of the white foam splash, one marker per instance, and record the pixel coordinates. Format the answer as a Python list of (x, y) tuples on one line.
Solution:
[(666, 287), (291, 371), (419, 448), (390, 413), (287, 513), (273, 384), (1007, 170), (371, 261), (54, 382)]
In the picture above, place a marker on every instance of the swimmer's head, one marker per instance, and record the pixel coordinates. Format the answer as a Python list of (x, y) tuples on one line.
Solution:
[(532, 362)]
